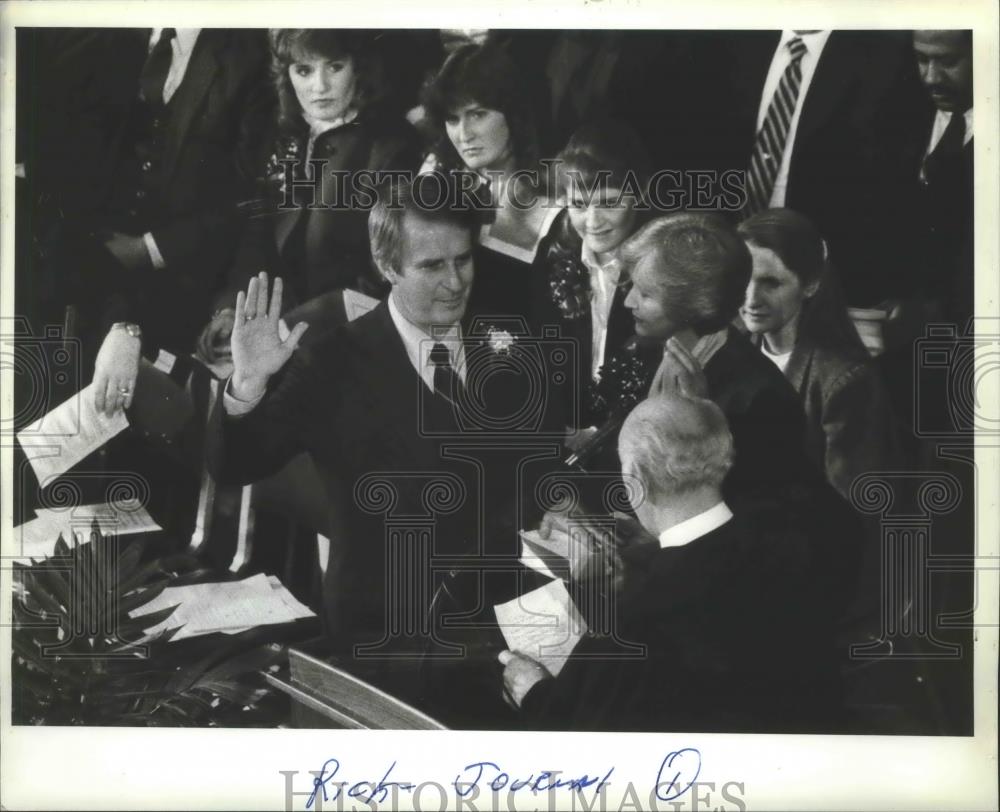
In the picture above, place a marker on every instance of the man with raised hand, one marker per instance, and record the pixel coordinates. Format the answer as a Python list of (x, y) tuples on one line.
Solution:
[(386, 407)]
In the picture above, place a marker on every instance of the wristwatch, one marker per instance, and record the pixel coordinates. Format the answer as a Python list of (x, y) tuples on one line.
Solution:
[(133, 330)]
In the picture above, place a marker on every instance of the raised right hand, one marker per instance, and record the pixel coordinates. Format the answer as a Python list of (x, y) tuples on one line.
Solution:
[(257, 349)]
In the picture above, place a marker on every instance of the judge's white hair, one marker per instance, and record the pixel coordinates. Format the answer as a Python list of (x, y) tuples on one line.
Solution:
[(676, 444)]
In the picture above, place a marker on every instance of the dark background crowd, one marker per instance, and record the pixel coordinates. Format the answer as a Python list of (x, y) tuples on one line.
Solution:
[(161, 171)]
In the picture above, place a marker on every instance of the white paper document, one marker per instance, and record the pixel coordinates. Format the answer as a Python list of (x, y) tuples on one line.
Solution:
[(542, 555), (544, 624), (230, 607), (71, 431), (37, 537)]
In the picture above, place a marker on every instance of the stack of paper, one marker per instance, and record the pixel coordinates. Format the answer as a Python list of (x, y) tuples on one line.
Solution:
[(37, 538), (73, 430), (544, 624), (230, 607)]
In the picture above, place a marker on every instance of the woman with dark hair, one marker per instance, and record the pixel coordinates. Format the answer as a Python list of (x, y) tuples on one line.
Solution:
[(601, 176), (797, 317), (332, 106), (481, 125)]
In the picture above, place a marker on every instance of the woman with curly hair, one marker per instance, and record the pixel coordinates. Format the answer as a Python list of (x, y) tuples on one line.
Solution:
[(332, 106)]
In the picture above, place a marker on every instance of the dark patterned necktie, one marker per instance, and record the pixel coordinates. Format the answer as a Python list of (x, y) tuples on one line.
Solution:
[(154, 72), (769, 147), (447, 383), (946, 150)]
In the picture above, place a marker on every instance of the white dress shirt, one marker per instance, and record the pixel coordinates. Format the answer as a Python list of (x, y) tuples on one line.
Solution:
[(182, 46), (941, 121), (696, 527), (418, 345), (814, 42), (603, 283)]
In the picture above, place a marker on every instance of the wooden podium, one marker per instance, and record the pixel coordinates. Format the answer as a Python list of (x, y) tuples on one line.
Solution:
[(324, 696)]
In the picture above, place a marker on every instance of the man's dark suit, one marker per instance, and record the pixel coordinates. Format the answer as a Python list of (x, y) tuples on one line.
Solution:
[(939, 218), (390, 455), (185, 195), (841, 173), (737, 634)]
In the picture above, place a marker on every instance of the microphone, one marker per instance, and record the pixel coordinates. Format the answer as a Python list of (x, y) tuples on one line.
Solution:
[(597, 442), (625, 380)]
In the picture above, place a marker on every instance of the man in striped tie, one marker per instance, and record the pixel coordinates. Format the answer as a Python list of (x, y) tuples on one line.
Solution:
[(785, 88), (820, 114)]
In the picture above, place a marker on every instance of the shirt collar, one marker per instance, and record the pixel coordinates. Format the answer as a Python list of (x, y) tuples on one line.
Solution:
[(696, 527), (418, 344), (611, 269), (185, 39), (813, 41), (943, 117)]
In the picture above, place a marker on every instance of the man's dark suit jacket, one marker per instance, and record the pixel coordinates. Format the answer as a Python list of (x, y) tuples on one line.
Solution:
[(737, 636), (211, 130), (939, 217), (391, 459), (841, 174)]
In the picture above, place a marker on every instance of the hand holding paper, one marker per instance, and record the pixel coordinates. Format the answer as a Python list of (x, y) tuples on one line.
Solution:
[(73, 430), (544, 624)]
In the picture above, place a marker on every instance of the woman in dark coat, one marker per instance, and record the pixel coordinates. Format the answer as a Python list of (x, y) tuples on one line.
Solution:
[(332, 107), (798, 319)]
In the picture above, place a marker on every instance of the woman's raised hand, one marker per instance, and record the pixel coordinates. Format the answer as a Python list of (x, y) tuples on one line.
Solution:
[(257, 348), (679, 371)]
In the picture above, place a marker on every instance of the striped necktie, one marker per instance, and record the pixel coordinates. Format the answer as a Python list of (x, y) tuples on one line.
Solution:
[(769, 147)]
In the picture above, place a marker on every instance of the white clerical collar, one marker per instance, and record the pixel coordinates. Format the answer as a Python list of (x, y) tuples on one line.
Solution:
[(418, 344), (696, 527)]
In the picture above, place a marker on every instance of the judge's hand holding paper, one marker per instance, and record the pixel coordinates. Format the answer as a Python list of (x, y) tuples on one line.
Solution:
[(586, 546)]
